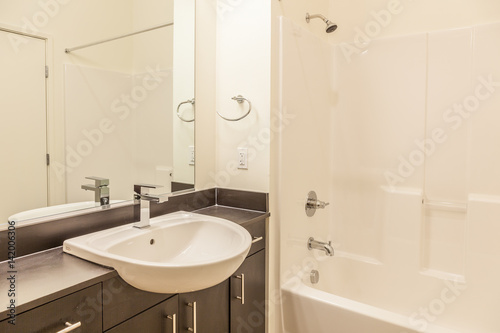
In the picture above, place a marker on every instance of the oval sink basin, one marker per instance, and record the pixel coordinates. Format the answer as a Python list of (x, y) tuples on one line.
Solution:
[(179, 252)]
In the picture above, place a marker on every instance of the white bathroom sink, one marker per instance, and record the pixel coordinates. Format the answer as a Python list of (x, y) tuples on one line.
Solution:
[(179, 252)]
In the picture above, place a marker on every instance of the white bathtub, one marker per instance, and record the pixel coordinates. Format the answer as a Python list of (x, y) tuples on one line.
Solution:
[(309, 310)]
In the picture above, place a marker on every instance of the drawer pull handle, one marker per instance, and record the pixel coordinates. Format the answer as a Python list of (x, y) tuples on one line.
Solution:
[(257, 239), (70, 327), (173, 318), (193, 329), (242, 297)]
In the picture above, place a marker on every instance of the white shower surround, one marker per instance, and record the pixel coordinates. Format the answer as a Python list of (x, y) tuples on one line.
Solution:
[(349, 124)]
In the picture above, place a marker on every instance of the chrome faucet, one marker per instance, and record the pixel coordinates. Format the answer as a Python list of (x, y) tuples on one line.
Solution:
[(142, 198), (100, 188), (314, 244)]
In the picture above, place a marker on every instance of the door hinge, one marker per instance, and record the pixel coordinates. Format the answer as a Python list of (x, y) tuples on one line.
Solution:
[(47, 159), (46, 71)]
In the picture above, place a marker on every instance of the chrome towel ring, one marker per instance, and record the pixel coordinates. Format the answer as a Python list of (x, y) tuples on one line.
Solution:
[(179, 115), (240, 99)]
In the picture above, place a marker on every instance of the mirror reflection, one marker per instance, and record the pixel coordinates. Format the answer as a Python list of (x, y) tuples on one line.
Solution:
[(99, 96)]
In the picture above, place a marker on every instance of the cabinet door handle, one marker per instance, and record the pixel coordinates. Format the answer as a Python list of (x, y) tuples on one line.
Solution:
[(242, 297), (257, 239), (70, 327), (173, 318), (193, 329)]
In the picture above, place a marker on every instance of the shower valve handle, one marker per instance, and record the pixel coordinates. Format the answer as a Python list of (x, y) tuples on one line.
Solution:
[(312, 203), (317, 204)]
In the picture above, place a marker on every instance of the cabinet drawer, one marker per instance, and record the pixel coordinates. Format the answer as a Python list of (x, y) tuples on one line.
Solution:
[(258, 232), (81, 307)]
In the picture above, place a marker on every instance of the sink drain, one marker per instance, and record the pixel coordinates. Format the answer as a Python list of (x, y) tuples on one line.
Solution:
[(152, 241)]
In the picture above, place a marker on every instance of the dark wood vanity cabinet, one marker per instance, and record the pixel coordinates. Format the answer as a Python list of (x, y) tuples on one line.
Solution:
[(81, 310), (113, 306)]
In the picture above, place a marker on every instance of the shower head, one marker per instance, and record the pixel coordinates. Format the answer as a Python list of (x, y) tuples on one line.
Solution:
[(330, 26)]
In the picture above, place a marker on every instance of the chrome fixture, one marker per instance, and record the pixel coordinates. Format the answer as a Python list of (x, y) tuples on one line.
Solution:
[(240, 99), (330, 26), (100, 188), (312, 203), (173, 318), (242, 297), (191, 101), (71, 49), (142, 198), (314, 276), (70, 327), (193, 306), (327, 247)]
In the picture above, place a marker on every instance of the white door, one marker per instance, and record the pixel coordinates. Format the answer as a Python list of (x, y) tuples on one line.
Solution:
[(23, 124)]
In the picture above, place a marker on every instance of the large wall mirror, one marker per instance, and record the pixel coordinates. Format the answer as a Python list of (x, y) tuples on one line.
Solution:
[(119, 108)]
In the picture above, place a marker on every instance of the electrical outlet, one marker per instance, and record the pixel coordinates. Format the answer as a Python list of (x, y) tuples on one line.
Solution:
[(191, 155), (243, 158)]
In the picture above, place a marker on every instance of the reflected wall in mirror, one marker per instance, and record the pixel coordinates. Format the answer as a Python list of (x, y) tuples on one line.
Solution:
[(107, 110)]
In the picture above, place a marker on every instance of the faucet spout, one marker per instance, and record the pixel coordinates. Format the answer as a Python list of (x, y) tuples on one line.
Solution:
[(323, 246), (100, 189), (143, 199)]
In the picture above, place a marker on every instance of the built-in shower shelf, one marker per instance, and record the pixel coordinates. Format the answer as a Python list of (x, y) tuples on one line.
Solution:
[(458, 207), (443, 275)]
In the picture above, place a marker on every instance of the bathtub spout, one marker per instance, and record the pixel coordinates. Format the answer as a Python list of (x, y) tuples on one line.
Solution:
[(327, 247)]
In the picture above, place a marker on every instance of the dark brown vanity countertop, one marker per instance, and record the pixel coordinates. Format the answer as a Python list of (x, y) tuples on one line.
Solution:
[(240, 216), (47, 275), (44, 276)]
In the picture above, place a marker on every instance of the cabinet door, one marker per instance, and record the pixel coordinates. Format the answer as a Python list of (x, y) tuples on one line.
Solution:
[(81, 307), (248, 292), (121, 301), (161, 318), (208, 309)]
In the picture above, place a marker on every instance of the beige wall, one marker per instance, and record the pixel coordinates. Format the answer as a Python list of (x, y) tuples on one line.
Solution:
[(409, 17), (243, 68), (205, 93)]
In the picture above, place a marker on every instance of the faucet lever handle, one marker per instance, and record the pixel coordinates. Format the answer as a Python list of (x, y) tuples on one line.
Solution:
[(141, 188), (99, 182), (321, 204)]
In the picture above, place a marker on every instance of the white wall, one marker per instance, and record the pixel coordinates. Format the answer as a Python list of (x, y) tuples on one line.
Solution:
[(183, 75), (243, 68), (206, 25)]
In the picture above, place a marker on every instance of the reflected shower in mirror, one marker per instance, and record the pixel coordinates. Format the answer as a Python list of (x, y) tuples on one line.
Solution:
[(108, 109)]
